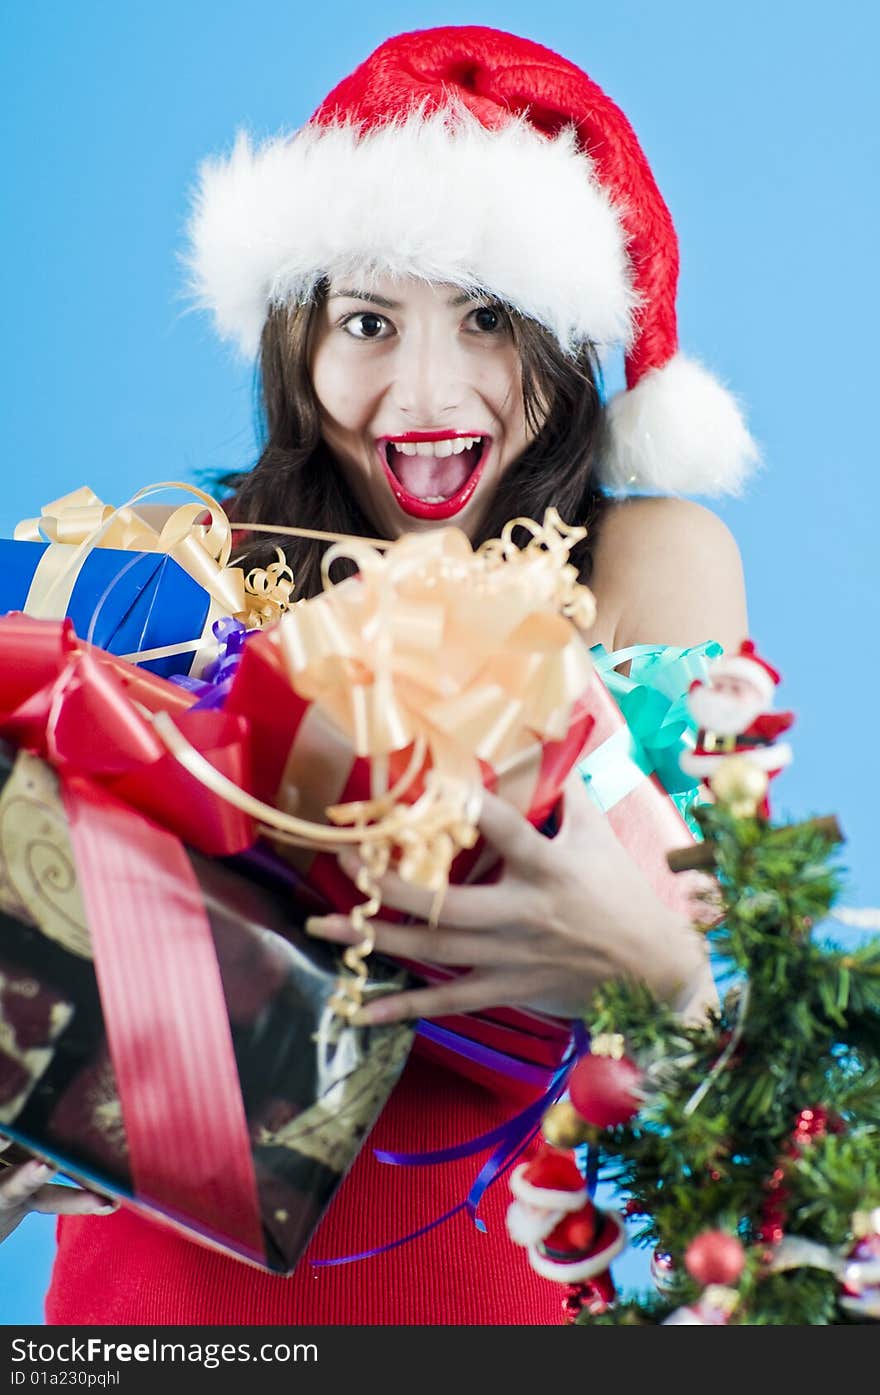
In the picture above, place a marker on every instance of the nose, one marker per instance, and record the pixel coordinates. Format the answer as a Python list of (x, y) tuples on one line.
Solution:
[(427, 386)]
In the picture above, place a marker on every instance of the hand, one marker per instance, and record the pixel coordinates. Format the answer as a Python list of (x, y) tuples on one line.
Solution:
[(23, 1188), (566, 914)]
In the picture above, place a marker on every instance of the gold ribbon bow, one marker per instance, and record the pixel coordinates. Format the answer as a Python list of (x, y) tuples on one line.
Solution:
[(476, 653)]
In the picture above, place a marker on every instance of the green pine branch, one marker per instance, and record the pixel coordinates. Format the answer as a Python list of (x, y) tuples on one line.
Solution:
[(801, 1030)]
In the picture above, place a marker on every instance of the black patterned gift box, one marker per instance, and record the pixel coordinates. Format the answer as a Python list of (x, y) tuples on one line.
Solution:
[(311, 1085)]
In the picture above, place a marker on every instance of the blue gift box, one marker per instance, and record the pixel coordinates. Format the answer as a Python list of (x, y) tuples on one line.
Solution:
[(124, 602)]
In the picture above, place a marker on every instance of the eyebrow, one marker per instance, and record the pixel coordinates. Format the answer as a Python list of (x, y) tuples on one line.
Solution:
[(394, 304)]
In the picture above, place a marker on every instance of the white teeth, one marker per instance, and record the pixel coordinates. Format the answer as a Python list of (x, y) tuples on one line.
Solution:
[(434, 499), (437, 449)]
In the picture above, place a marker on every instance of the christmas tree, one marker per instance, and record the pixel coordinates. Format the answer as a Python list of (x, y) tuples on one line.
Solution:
[(746, 1145), (754, 1160)]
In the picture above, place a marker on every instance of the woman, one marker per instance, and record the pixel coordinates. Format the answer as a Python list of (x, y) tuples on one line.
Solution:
[(429, 271)]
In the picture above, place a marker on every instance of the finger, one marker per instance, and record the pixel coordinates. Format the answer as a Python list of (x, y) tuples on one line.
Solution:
[(432, 944), (465, 907), (581, 815), (470, 993), (72, 1201), (510, 833), (20, 1184)]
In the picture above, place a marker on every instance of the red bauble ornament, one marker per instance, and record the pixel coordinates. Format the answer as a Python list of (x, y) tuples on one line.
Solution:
[(606, 1091), (714, 1257)]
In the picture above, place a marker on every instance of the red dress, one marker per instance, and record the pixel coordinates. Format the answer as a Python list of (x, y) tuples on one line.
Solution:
[(122, 1269)]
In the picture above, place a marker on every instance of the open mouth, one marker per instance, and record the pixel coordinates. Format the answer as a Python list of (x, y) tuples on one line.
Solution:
[(432, 475)]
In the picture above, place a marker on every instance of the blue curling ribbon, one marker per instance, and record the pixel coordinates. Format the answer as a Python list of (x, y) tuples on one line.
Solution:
[(659, 727), (508, 1141)]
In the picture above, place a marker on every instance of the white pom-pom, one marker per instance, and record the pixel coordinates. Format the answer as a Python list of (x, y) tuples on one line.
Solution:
[(526, 1225), (677, 431)]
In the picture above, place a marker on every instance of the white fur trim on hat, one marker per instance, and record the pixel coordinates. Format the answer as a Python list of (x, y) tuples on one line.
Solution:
[(678, 430), (545, 1198), (575, 1271), (739, 666), (526, 1224), (771, 757), (509, 212)]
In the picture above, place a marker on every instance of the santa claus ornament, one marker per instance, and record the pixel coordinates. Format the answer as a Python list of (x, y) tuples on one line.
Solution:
[(567, 1237), (737, 751), (857, 1265)]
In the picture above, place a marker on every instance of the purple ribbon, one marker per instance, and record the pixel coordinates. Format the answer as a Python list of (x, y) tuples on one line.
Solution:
[(510, 1139), (213, 687), (484, 1055)]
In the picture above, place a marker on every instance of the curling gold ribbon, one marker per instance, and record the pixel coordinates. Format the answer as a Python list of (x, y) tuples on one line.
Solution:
[(270, 589), (349, 994)]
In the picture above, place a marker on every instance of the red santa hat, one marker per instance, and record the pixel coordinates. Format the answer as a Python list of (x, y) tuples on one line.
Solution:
[(551, 1180), (469, 156), (749, 665)]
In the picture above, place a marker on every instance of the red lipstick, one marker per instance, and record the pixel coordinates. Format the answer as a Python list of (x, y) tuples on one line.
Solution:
[(416, 436)]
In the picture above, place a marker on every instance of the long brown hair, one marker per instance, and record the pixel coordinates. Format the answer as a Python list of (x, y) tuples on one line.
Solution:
[(297, 482)]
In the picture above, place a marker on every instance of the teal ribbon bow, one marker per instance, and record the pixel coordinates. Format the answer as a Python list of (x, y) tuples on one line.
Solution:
[(658, 725)]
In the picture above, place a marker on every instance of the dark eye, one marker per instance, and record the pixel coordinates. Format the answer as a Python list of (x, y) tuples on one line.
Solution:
[(369, 326), (486, 319)]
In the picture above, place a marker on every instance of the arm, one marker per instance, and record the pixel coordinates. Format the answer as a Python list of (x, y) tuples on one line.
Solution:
[(673, 574)]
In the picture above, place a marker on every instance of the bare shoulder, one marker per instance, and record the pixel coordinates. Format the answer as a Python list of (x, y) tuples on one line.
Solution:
[(634, 528), (669, 571)]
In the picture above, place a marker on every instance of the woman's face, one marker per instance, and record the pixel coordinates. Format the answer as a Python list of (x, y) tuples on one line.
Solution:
[(420, 400)]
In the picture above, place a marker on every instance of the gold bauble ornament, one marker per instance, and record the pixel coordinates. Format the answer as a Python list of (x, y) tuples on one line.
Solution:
[(740, 785), (563, 1127)]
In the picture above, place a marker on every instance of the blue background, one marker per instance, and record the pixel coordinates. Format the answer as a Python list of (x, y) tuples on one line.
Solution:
[(760, 125)]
